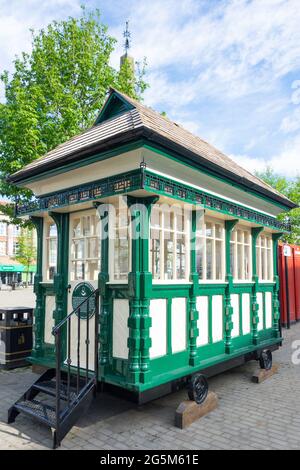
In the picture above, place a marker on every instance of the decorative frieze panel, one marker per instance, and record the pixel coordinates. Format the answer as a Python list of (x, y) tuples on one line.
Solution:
[(144, 179)]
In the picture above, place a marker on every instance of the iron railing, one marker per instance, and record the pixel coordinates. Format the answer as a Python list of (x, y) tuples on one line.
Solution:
[(79, 378)]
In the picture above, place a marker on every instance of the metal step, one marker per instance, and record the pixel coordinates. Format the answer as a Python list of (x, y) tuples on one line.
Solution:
[(37, 410), (49, 388)]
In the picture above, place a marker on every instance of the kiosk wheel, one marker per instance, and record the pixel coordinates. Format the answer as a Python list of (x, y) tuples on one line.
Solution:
[(198, 388), (266, 360)]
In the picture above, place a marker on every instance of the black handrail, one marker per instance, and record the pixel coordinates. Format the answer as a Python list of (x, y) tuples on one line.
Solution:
[(90, 379)]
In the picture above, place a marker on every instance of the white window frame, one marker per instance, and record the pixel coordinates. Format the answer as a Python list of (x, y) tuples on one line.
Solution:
[(204, 237), (266, 252), (162, 237), (46, 253), (85, 259), (240, 263), (114, 224)]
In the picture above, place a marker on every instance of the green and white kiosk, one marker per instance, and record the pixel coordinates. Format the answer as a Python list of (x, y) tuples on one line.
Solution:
[(157, 263)]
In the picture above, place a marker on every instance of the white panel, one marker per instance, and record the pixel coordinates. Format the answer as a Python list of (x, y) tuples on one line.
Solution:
[(217, 318), (235, 299), (260, 325), (158, 330), (246, 314), (49, 320), (120, 328), (202, 323), (269, 320), (178, 324)]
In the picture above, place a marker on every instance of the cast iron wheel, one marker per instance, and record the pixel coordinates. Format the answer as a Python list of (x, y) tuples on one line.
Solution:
[(266, 360), (198, 388)]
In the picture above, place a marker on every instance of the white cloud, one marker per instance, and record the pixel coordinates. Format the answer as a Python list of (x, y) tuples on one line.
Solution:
[(286, 163)]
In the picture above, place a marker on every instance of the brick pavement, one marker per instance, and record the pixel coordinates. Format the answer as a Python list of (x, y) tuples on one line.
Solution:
[(249, 416)]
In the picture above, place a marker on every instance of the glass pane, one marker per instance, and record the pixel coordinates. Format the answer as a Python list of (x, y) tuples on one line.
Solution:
[(270, 265), (169, 258), (218, 230), (155, 217), (76, 228), (246, 238), (181, 258), (51, 273), (77, 271), (200, 225), (258, 266), (93, 268), (86, 226), (52, 230), (78, 249), (200, 256), (219, 260), (209, 229), (121, 259), (93, 245), (263, 264), (240, 262), (232, 236), (247, 262), (232, 260), (155, 254), (209, 254), (168, 220), (52, 252), (239, 236), (179, 220)]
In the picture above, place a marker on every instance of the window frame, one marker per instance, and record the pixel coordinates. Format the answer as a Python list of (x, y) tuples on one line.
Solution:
[(236, 243), (214, 221), (82, 236), (268, 257), (113, 226), (46, 253), (186, 233)]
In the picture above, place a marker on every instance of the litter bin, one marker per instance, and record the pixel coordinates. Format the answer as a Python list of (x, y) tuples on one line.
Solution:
[(15, 336)]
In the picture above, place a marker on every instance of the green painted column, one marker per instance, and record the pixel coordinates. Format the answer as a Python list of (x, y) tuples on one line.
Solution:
[(103, 278), (194, 278), (61, 277), (255, 231), (229, 226), (39, 312), (276, 303), (139, 287)]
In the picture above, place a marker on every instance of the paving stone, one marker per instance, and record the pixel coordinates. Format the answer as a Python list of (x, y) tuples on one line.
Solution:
[(265, 416)]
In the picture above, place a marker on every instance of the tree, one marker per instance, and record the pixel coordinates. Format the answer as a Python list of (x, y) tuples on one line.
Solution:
[(26, 250), (291, 189), (57, 90)]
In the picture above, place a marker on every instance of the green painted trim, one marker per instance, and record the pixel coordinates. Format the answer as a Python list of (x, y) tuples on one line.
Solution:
[(39, 311), (107, 112), (228, 324), (61, 277), (162, 185), (255, 232)]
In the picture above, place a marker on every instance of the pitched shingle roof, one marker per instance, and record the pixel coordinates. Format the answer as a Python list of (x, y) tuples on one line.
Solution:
[(142, 121)]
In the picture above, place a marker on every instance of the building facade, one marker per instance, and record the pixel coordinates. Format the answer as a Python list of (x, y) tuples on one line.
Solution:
[(11, 271)]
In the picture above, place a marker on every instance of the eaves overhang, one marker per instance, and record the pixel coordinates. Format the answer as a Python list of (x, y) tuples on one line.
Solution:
[(154, 139)]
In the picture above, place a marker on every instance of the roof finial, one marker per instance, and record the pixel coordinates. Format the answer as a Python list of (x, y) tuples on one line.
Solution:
[(127, 37)]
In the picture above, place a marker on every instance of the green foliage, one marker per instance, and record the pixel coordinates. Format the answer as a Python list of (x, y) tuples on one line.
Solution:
[(26, 250), (291, 189), (57, 90)]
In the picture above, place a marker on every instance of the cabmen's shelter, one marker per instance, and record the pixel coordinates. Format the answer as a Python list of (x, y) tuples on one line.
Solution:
[(157, 260)]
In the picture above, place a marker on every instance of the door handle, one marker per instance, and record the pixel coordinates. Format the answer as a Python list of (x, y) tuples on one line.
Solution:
[(69, 288)]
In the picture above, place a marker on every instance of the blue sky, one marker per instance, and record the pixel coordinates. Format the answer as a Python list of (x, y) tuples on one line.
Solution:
[(229, 71)]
